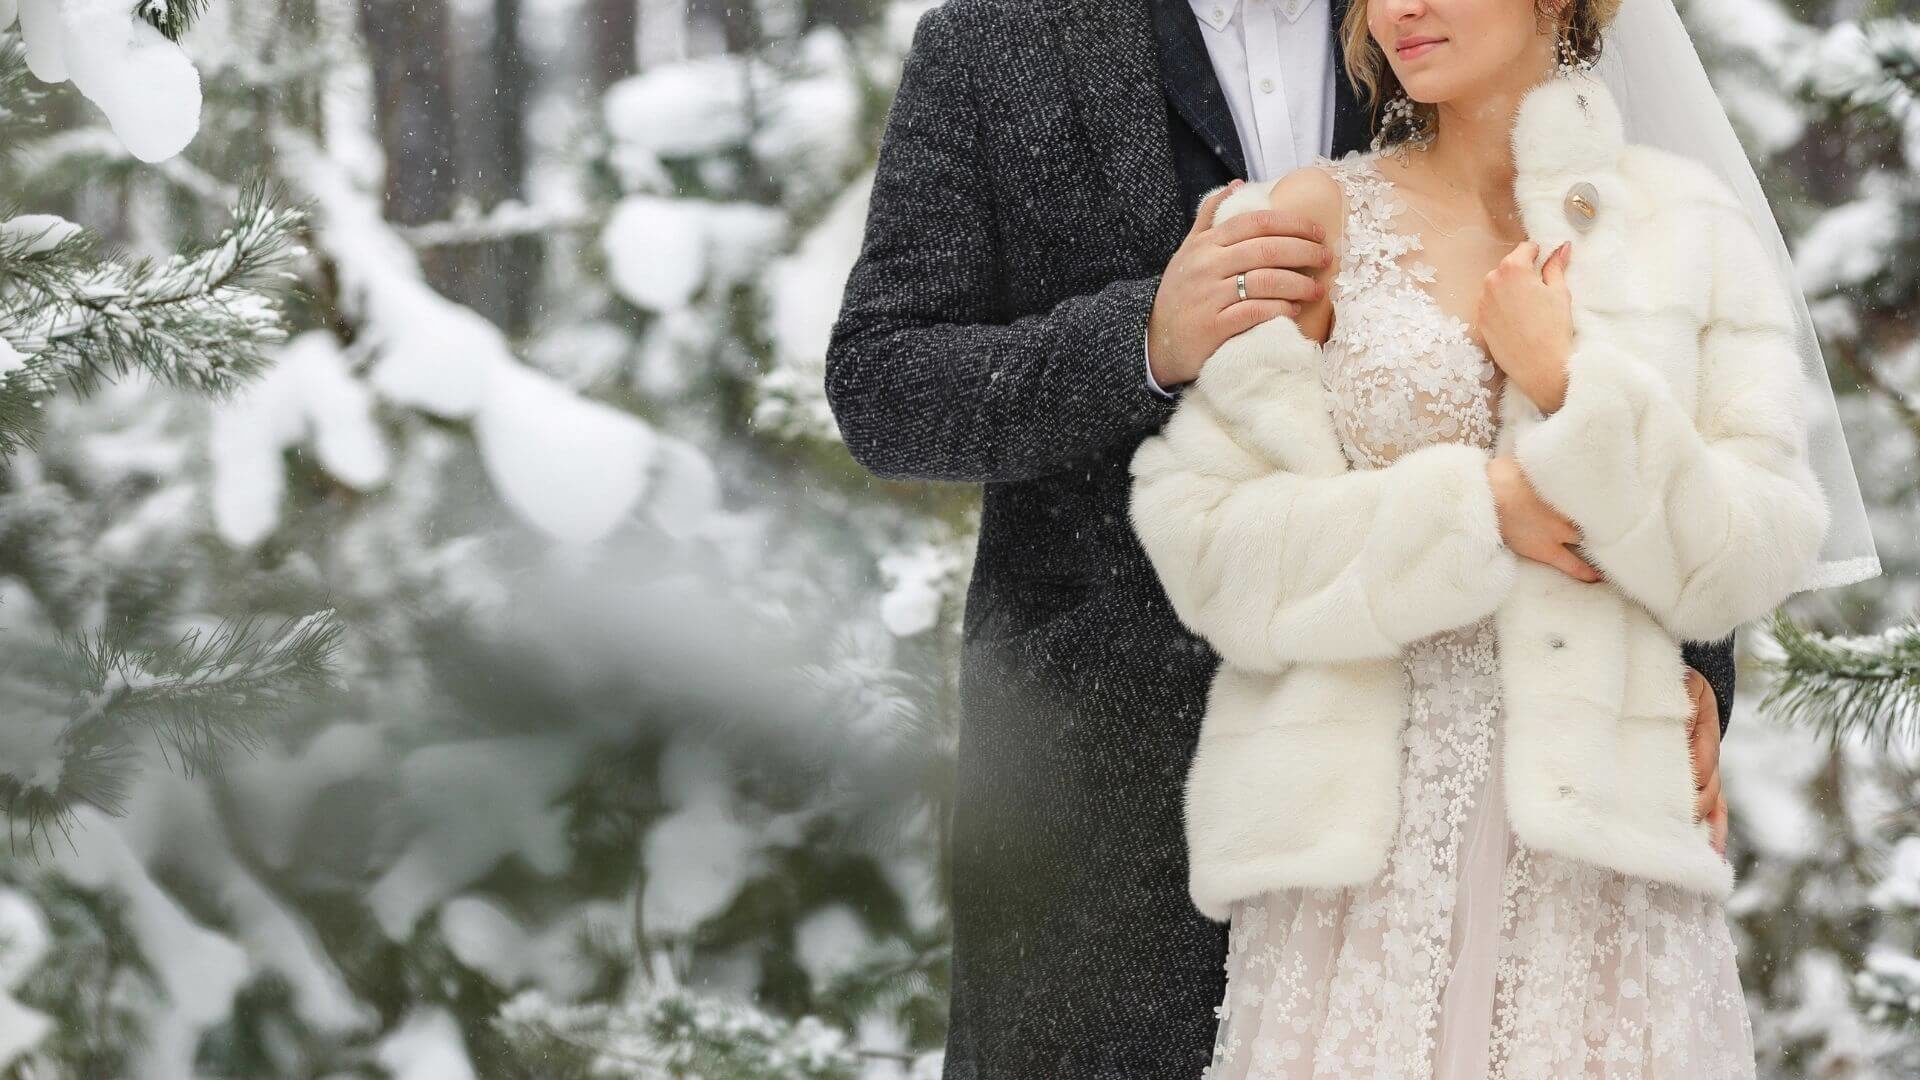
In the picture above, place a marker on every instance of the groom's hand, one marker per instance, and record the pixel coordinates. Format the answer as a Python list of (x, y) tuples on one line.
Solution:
[(1198, 306), (1710, 802)]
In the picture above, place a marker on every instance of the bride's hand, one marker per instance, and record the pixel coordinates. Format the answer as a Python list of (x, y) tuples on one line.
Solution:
[(1530, 526), (1525, 318)]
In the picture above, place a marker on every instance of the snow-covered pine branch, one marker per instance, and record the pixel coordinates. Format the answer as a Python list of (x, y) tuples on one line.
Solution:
[(670, 1032), (170, 17), (1867, 685), (85, 709), (198, 320), (1889, 986), (20, 96), (1865, 65)]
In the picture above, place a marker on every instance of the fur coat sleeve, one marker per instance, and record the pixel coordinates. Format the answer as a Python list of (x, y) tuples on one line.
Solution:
[(1274, 552), (1706, 515)]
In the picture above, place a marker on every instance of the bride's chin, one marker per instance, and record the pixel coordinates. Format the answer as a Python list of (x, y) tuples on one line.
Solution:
[(1424, 90)]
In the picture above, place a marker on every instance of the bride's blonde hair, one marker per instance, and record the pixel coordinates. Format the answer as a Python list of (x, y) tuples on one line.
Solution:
[(1581, 20)]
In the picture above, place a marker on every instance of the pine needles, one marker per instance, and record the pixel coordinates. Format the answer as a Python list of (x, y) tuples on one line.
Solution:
[(1867, 686), (171, 17), (199, 320), (198, 698)]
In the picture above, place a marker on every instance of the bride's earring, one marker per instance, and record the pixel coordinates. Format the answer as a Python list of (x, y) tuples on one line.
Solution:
[(1568, 60), (1401, 125)]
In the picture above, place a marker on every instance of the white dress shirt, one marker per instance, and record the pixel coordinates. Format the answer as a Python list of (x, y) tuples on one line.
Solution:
[(1274, 61)]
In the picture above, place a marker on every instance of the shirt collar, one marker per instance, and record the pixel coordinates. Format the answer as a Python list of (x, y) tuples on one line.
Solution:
[(1218, 13), (1215, 13)]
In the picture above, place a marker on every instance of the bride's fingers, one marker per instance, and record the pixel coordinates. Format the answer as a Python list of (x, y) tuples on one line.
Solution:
[(1720, 827), (1556, 268), (1523, 255), (1574, 566)]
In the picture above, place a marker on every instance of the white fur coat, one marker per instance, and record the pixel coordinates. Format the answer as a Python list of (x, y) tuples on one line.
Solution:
[(1680, 452)]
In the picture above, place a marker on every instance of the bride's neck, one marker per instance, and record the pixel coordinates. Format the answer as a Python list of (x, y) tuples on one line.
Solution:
[(1472, 150), (1472, 154)]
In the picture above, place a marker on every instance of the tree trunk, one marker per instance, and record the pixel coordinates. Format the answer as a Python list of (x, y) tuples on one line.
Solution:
[(734, 18), (612, 33), (502, 275), (407, 44)]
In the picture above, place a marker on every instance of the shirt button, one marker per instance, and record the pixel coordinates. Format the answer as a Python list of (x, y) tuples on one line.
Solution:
[(1219, 13), (1266, 86)]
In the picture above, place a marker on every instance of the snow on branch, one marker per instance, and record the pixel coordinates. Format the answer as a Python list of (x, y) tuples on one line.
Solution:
[(509, 220), (120, 54), (198, 320), (573, 467), (1874, 64), (662, 1032), (1867, 685), (199, 697)]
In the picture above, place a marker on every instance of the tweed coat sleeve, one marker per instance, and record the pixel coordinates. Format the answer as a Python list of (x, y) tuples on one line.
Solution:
[(1708, 517), (1271, 549), (1714, 659), (925, 378)]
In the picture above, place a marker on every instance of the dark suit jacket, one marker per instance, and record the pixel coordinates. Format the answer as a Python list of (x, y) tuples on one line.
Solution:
[(1036, 173)]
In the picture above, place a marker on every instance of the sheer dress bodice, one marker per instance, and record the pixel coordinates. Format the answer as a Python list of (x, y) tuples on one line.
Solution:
[(1470, 955), (1402, 372)]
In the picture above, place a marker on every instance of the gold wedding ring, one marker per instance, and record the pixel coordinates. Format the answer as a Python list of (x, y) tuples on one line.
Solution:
[(1240, 285)]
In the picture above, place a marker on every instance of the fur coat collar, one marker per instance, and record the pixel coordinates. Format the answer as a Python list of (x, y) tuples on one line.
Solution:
[(1679, 451)]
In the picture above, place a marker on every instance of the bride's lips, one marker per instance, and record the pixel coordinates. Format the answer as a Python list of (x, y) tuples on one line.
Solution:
[(1416, 46)]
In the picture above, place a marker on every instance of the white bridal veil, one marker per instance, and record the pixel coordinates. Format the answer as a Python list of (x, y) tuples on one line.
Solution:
[(1655, 75)]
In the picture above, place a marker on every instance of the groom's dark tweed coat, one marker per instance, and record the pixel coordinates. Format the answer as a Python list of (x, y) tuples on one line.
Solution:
[(1040, 165)]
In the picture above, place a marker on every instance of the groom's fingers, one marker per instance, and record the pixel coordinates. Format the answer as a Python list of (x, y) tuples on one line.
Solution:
[(1269, 223), (1708, 797), (1209, 206), (1268, 284), (1248, 314), (1283, 252)]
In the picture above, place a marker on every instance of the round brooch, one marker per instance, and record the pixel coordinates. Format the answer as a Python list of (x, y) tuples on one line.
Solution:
[(1582, 205)]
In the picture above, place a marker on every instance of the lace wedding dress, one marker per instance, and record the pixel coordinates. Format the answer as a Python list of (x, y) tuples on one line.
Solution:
[(1470, 955)]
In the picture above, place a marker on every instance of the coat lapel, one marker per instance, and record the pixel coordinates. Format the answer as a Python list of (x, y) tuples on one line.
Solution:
[(1113, 70), (1112, 51), (1192, 86)]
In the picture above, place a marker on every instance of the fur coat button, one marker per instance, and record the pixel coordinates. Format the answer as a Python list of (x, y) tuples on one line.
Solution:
[(1583, 205)]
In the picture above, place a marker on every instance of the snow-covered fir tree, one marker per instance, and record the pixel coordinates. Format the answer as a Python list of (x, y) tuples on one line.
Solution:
[(613, 743), (108, 658)]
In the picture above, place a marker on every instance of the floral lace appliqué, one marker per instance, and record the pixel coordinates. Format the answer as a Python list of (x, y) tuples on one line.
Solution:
[(1470, 955), (1402, 371)]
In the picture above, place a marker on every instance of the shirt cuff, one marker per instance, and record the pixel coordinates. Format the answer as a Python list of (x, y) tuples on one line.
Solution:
[(1147, 363)]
